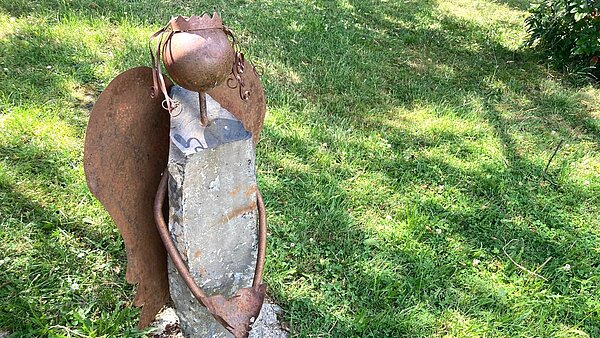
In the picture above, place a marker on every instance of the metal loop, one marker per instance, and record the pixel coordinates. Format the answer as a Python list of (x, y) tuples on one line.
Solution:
[(231, 80), (165, 104)]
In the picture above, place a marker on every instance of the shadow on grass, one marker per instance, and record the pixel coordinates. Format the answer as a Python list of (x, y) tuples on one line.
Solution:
[(47, 251), (341, 70), (402, 285), (516, 4), (435, 69)]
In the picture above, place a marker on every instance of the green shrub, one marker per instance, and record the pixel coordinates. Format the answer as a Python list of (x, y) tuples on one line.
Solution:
[(568, 33)]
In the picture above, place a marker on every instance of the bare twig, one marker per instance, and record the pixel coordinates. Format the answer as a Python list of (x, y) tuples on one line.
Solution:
[(69, 331), (552, 157), (332, 327), (521, 266), (541, 266)]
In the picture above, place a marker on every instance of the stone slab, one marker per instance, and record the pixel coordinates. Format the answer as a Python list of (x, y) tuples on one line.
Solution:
[(212, 209)]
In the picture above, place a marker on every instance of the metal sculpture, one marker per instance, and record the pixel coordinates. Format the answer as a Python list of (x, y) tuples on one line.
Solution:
[(126, 149)]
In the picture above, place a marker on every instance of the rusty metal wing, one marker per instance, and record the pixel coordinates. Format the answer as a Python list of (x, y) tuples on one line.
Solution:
[(250, 111), (126, 150)]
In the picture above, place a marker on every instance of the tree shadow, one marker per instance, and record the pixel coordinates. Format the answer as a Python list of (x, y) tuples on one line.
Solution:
[(331, 244), (522, 5), (47, 247), (508, 79)]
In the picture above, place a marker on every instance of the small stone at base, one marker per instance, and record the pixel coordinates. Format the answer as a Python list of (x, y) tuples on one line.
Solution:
[(166, 324)]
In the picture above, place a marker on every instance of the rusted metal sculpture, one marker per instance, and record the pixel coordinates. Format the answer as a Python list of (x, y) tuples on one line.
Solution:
[(126, 151)]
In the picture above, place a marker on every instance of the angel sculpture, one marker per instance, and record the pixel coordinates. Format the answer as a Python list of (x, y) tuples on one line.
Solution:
[(133, 132)]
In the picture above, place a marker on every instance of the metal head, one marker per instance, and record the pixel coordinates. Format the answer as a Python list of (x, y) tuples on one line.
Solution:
[(197, 53)]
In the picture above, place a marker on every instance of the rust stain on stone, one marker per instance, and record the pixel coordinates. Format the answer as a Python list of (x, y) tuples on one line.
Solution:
[(235, 192), (238, 212), (202, 271), (197, 254), (251, 190)]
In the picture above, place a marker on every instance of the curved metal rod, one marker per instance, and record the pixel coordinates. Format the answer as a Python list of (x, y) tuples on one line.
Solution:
[(168, 242), (176, 256), (262, 241)]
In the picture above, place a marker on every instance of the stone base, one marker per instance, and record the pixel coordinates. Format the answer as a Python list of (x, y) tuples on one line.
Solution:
[(213, 216), (267, 326)]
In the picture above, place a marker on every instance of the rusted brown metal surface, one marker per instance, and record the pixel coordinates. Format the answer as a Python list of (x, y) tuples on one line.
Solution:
[(197, 53), (239, 312), (251, 111), (126, 149), (199, 56)]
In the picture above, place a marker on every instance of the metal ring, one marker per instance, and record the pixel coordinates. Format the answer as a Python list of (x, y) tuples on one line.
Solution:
[(165, 104), (176, 256)]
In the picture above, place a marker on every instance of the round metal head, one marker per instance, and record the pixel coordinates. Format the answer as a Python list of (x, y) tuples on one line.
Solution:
[(197, 54)]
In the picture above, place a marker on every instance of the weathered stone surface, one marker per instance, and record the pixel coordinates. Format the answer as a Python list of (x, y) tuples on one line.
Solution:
[(267, 325), (188, 136), (212, 209)]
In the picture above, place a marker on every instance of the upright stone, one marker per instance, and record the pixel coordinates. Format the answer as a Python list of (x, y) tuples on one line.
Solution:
[(212, 208)]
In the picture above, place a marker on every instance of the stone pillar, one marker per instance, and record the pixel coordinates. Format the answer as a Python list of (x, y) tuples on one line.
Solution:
[(212, 208)]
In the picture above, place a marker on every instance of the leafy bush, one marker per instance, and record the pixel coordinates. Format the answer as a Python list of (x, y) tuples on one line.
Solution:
[(568, 32)]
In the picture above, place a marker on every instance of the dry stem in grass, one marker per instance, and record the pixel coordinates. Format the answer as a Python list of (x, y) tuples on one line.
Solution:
[(521, 266)]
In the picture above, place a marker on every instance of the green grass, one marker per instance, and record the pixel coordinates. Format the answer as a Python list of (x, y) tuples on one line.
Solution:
[(402, 163)]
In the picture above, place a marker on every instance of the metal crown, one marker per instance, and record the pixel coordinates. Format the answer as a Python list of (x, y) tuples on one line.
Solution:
[(184, 24)]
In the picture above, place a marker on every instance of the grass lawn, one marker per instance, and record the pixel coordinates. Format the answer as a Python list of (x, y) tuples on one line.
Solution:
[(402, 164)]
